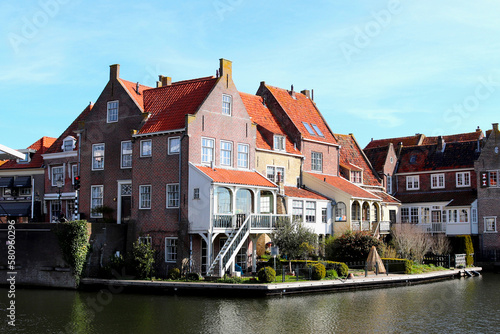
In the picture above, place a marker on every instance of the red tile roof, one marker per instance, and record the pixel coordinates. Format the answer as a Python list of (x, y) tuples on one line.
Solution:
[(346, 186), (386, 198), (168, 105), (232, 176), (460, 137), (407, 141), (302, 193), (267, 123), (40, 146), (458, 198), (377, 156), (57, 145), (302, 109), (352, 157), (132, 89)]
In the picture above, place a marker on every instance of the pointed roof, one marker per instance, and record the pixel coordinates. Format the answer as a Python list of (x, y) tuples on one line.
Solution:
[(454, 197), (456, 138), (70, 131), (136, 94), (168, 105), (377, 156), (345, 186), (232, 176), (267, 123), (301, 109), (40, 147), (407, 141), (302, 193), (352, 157)]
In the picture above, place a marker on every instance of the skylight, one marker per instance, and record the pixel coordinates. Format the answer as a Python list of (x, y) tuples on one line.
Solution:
[(309, 129), (318, 131)]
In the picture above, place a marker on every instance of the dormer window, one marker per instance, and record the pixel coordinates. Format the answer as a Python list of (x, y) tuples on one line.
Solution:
[(356, 176), (279, 143), (112, 111), (69, 144), (25, 160), (309, 129), (318, 131)]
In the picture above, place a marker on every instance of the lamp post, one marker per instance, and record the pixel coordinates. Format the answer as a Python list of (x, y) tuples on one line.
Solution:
[(59, 184)]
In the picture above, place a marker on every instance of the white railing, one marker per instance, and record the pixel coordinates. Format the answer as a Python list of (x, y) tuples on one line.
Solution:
[(267, 221), (257, 221), (433, 227), (384, 226)]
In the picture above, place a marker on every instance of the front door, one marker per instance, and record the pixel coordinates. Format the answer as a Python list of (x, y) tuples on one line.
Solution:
[(125, 198)]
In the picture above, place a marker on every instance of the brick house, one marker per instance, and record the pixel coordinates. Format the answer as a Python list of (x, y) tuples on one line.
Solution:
[(434, 180), (22, 184), (383, 160), (61, 168), (487, 168)]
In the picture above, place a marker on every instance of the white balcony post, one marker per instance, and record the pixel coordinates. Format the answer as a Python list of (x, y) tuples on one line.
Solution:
[(254, 253)]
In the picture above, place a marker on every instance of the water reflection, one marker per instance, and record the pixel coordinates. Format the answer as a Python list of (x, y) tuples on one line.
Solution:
[(458, 306)]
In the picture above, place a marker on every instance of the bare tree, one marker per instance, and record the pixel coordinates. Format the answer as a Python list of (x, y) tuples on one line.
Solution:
[(411, 241), (440, 245)]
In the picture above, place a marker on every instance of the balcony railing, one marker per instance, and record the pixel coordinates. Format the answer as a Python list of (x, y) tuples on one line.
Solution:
[(361, 225), (434, 227), (257, 221)]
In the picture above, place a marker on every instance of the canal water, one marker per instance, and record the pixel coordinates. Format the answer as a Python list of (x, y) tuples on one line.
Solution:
[(454, 306)]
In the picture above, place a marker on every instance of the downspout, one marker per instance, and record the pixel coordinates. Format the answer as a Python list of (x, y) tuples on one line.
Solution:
[(32, 198), (180, 192)]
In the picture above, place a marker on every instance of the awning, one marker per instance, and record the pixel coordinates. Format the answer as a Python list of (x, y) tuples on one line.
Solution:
[(22, 182), (6, 182), (22, 209)]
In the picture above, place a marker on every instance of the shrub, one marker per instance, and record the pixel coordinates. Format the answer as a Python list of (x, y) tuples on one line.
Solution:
[(351, 246), (398, 265), (266, 275), (193, 277), (174, 273), (318, 271), (341, 268), (332, 274), (462, 244), (142, 259)]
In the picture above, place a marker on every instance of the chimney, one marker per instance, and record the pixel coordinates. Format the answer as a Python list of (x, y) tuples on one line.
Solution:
[(495, 127), (292, 92), (164, 81), (478, 129), (114, 71), (137, 88), (226, 68), (307, 93), (440, 144)]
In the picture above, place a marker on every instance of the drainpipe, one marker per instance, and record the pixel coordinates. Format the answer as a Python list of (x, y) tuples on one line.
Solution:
[(32, 198), (180, 186)]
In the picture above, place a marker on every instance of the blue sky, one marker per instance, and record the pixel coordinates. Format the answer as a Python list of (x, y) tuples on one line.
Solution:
[(378, 68)]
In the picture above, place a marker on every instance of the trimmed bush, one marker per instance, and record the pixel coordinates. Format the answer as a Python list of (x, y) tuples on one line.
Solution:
[(332, 274), (341, 268), (266, 275), (318, 271), (174, 273), (143, 259), (399, 265), (193, 277)]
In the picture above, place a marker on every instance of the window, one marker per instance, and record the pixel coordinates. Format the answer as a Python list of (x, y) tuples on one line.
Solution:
[(463, 179), (297, 210), (389, 184), (24, 191), (409, 215), (490, 224), (112, 111), (196, 193), (207, 150), (265, 204), (57, 174), (356, 176), (144, 197), (74, 172), (146, 148), (226, 104), (279, 143), (276, 174), (68, 144), (464, 216), (493, 179), (437, 181), (224, 200), (96, 195), (425, 219), (226, 153), (317, 161), (24, 160), (324, 218), (412, 182), (309, 129), (340, 212), (173, 195), (174, 145), (145, 240), (126, 161), (318, 131), (170, 249), (243, 155), (310, 212), (97, 156)]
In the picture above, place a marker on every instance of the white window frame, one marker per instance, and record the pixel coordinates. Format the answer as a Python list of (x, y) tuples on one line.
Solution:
[(171, 249), (226, 147), (243, 155), (496, 174), (171, 146), (53, 175), (413, 182), (74, 172), (24, 191), (439, 179), (463, 179), (279, 143), (389, 184), (26, 159), (145, 240), (145, 197), (227, 104), (123, 155), (356, 176), (143, 153), (68, 144), (96, 202), (310, 211), (205, 159), (96, 165), (196, 193), (298, 211), (112, 111), (173, 196), (494, 230), (317, 161), (275, 170)]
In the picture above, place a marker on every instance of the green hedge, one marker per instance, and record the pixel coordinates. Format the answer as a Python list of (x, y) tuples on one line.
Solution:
[(318, 271), (398, 265), (340, 267), (266, 275)]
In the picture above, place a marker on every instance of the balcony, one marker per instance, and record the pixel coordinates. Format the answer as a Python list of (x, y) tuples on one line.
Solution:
[(263, 222), (433, 227), (363, 225)]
